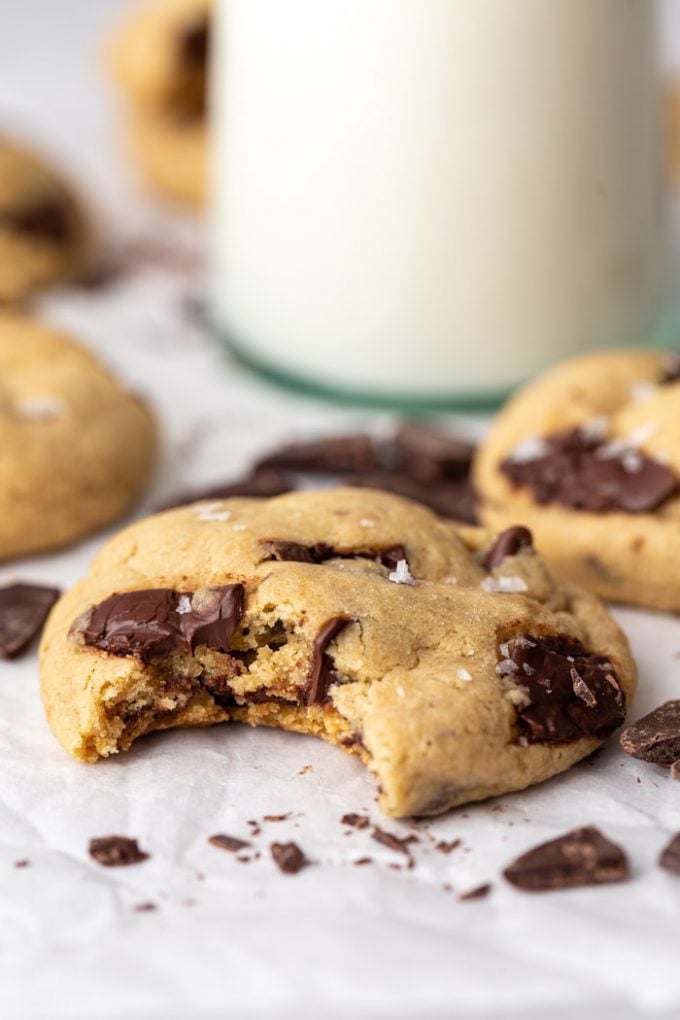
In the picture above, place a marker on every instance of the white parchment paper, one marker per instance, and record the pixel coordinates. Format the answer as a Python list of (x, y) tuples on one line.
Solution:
[(239, 939)]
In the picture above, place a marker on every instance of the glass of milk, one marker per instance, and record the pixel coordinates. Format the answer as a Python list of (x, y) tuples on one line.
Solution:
[(428, 201)]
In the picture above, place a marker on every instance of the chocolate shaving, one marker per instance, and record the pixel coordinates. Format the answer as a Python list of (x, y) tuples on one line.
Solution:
[(355, 821), (23, 611), (231, 843), (322, 672), (116, 851), (580, 470), (656, 737), (287, 551), (334, 455), (670, 856), (289, 857), (571, 693), (581, 857), (508, 543), (148, 623)]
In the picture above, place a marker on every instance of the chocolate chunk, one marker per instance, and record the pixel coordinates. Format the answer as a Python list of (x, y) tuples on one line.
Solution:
[(671, 367), (284, 550), (23, 611), (116, 851), (195, 43), (655, 737), (454, 498), (399, 843), (231, 843), (322, 672), (158, 621), (508, 543), (478, 893), (571, 693), (428, 454), (581, 857), (670, 857), (356, 821), (49, 220), (261, 484), (586, 472), (289, 857), (334, 455)]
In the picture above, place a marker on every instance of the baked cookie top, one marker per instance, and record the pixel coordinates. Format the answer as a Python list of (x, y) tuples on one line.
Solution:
[(75, 447), (43, 231), (588, 456), (160, 56), (452, 662)]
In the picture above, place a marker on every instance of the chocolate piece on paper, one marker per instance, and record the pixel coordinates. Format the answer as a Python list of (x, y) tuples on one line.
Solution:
[(355, 821), (429, 454), (231, 843), (670, 856), (656, 737), (23, 611), (333, 455), (289, 857), (508, 543), (399, 843), (580, 858), (479, 893), (454, 498), (116, 851), (261, 484)]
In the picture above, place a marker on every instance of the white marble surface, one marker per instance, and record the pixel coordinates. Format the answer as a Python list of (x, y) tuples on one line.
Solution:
[(243, 940)]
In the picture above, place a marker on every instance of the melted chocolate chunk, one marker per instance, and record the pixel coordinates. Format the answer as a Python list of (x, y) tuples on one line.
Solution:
[(454, 498), (572, 694), (322, 673), (116, 851), (289, 857), (670, 857), (581, 857), (261, 484), (231, 843), (23, 611), (49, 220), (281, 549), (334, 455), (158, 621), (575, 469), (428, 455), (655, 737), (508, 543), (671, 367)]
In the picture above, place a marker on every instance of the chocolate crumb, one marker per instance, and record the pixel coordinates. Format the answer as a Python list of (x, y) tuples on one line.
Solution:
[(277, 818), (670, 856), (23, 611), (400, 844), (363, 860), (445, 847), (581, 857), (304, 770), (479, 893), (23, 863), (356, 821), (656, 737), (242, 859), (231, 843), (289, 857), (116, 851), (144, 908)]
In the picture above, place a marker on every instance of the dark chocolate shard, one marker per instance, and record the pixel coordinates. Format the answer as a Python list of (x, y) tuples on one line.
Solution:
[(157, 621), (333, 455), (355, 821), (116, 851), (320, 552), (289, 857), (508, 543), (322, 670), (671, 368), (582, 470), (399, 843), (261, 484), (429, 454), (579, 858), (571, 693), (454, 498), (49, 220), (670, 856), (231, 843), (480, 892), (23, 611), (655, 737)]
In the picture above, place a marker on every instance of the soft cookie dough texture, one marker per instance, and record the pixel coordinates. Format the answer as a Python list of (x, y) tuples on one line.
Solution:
[(43, 232), (160, 59), (350, 614), (628, 402), (75, 448)]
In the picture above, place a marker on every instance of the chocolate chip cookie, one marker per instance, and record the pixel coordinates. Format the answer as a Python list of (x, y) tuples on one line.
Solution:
[(449, 660), (43, 232), (160, 58), (75, 448), (588, 457)]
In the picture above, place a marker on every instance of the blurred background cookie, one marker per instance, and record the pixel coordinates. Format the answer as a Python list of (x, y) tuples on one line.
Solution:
[(160, 59), (43, 232), (76, 448)]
